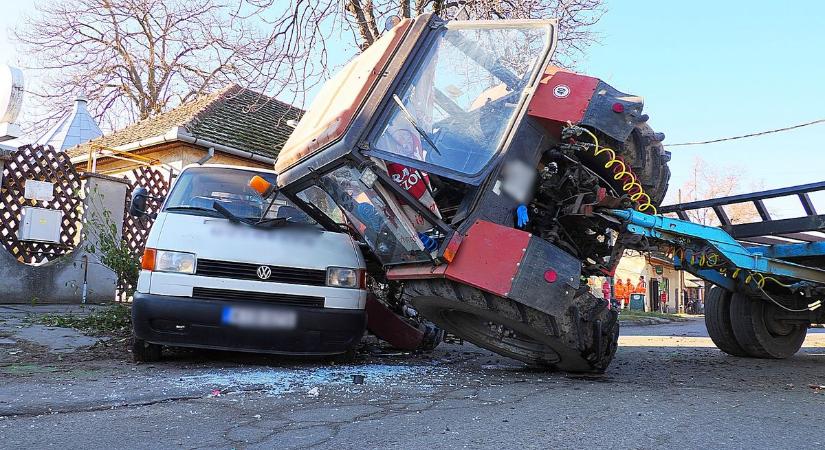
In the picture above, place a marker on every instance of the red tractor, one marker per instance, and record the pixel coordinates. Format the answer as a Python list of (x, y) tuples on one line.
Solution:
[(471, 170)]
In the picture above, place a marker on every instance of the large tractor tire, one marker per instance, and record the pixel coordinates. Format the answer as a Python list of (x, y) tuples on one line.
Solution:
[(584, 339), (644, 152), (759, 334), (717, 321)]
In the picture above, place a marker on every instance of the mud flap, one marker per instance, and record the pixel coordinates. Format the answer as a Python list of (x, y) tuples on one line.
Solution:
[(388, 326)]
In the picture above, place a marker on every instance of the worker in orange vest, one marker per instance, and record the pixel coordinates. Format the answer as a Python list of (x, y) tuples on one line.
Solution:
[(641, 286), (619, 290), (628, 286)]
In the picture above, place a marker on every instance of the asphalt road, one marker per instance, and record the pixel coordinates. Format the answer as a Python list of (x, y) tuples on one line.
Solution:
[(667, 388)]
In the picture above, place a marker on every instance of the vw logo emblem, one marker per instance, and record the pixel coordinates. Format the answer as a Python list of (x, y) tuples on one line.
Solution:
[(264, 272)]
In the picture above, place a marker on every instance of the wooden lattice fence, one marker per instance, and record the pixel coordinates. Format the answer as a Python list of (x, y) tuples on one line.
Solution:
[(136, 229), (41, 164)]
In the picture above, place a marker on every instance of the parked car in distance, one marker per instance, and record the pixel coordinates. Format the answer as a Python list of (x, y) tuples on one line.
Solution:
[(227, 269)]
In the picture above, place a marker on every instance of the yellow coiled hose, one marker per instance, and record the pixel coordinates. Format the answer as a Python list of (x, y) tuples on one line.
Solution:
[(711, 261), (621, 173)]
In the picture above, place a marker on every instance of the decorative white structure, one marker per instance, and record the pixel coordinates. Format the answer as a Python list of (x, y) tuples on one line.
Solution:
[(11, 99), (73, 129)]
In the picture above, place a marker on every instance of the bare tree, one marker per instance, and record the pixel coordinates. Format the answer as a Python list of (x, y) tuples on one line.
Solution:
[(366, 18), (136, 58), (710, 181), (576, 17)]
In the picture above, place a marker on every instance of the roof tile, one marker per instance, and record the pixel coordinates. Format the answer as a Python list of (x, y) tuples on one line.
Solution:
[(233, 116)]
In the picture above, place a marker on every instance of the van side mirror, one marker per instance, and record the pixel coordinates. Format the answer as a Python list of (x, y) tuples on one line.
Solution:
[(137, 207)]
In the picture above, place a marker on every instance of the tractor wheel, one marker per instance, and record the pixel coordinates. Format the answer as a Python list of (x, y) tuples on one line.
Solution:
[(759, 333), (583, 341), (644, 151), (717, 321)]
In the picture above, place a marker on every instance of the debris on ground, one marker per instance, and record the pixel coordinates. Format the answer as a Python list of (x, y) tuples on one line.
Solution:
[(279, 381)]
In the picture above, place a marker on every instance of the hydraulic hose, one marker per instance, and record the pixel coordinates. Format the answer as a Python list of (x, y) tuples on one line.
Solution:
[(630, 185)]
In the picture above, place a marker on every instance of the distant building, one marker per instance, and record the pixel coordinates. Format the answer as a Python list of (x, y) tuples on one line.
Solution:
[(75, 128), (238, 126), (660, 275)]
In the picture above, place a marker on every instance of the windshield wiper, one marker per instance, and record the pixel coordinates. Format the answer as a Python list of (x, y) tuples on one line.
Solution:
[(190, 208), (279, 222), (411, 119), (220, 209)]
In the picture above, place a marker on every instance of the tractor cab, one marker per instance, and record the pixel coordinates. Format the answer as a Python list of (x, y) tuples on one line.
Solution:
[(418, 124)]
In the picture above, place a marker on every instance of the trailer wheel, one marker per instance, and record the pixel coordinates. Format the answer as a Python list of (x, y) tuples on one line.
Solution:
[(717, 321), (584, 341), (757, 331)]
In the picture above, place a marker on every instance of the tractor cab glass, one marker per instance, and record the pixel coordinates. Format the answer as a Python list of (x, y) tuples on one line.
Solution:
[(371, 210), (456, 108)]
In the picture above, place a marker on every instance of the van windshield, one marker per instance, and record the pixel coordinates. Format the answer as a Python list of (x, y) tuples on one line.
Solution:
[(197, 189)]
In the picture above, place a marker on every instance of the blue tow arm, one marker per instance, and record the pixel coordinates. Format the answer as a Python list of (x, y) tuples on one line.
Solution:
[(683, 233)]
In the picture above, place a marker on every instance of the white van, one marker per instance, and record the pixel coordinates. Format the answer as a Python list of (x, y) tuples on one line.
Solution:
[(227, 269)]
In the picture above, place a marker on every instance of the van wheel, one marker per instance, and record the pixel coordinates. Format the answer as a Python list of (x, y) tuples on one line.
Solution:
[(759, 333), (143, 351)]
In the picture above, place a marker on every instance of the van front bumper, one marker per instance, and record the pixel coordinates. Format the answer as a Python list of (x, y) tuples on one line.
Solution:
[(190, 322)]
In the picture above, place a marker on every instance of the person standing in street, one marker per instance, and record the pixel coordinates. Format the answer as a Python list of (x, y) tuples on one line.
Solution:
[(619, 291), (641, 286), (629, 289), (663, 301)]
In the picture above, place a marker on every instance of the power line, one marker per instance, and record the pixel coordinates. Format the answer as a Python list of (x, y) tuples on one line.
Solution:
[(748, 135)]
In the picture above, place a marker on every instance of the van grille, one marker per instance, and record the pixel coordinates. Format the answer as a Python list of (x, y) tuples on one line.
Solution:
[(244, 271), (267, 297)]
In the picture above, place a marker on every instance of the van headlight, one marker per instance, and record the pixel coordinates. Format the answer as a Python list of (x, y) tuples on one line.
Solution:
[(178, 262), (346, 277)]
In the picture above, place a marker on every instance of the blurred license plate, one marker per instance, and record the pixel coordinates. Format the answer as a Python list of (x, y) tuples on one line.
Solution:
[(282, 319)]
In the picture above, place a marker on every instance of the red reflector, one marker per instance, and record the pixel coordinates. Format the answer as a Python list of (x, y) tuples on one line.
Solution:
[(618, 108), (550, 276), (362, 279)]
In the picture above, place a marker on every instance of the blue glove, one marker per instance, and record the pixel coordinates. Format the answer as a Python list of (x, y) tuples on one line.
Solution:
[(429, 243), (521, 216)]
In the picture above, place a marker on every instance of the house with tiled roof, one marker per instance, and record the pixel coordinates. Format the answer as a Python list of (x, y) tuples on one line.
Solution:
[(233, 125)]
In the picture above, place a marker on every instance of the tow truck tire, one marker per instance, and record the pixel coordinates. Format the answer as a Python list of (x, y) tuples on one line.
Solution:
[(758, 334), (717, 321), (584, 340)]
